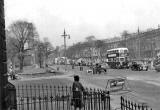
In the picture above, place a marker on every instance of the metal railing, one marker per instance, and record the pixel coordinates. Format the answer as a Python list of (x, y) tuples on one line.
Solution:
[(47, 97), (129, 105)]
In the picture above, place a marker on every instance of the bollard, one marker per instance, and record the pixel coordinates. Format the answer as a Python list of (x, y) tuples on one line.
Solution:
[(81, 68), (94, 72)]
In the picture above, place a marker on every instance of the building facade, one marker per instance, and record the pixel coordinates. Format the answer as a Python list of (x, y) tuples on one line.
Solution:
[(142, 46)]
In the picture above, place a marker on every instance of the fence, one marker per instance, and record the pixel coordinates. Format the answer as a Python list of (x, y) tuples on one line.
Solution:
[(45, 97), (128, 105)]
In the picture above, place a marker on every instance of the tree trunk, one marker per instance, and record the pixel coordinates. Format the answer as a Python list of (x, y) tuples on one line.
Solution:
[(21, 63), (40, 61)]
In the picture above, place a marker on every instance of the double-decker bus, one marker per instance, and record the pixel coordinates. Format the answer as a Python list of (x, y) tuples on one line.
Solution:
[(157, 62), (118, 57)]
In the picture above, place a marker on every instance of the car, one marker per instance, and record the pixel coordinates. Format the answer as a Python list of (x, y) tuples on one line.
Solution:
[(104, 66), (139, 66), (134, 66), (123, 65), (50, 70), (100, 68), (157, 67), (144, 67)]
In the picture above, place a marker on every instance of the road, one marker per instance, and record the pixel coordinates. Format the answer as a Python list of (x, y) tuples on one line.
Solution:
[(144, 85)]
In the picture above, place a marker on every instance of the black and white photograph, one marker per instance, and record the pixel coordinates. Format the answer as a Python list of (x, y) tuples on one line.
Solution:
[(79, 55)]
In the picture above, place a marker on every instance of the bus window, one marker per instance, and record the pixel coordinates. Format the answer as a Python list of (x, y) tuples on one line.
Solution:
[(125, 51), (122, 59), (117, 59), (109, 60)]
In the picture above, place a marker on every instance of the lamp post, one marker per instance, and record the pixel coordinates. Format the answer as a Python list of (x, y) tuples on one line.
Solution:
[(153, 46), (64, 35), (139, 44)]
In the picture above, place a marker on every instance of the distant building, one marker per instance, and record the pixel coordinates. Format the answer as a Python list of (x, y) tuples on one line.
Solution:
[(142, 46)]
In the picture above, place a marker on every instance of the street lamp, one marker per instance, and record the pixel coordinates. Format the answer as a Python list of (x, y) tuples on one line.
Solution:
[(139, 44), (65, 36)]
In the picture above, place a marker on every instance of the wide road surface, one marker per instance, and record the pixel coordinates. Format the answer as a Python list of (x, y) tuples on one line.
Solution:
[(144, 85)]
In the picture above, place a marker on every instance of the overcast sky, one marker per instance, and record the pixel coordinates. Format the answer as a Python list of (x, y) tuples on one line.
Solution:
[(81, 18)]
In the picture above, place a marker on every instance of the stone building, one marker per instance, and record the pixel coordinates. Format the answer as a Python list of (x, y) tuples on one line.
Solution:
[(142, 46), (89, 55)]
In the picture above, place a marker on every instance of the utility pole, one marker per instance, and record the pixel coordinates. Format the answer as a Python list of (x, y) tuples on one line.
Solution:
[(64, 35), (153, 48), (139, 46), (125, 38)]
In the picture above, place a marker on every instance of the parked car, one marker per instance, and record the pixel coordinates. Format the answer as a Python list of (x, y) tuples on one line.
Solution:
[(144, 67), (104, 66), (124, 65), (100, 68), (157, 67), (139, 66), (50, 70)]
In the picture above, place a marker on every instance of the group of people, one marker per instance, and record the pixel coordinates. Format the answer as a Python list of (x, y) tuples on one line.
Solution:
[(12, 73)]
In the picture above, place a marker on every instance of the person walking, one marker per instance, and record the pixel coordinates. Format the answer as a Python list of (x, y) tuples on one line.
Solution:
[(77, 93)]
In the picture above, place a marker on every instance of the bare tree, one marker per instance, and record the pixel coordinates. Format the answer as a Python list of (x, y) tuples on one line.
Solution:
[(48, 49), (125, 33), (12, 51), (99, 44), (23, 32), (44, 49), (56, 51), (40, 54), (90, 38)]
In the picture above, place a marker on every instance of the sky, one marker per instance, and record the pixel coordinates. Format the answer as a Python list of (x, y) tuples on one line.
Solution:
[(81, 18)]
